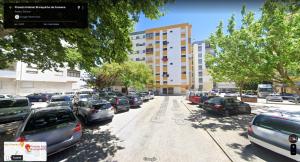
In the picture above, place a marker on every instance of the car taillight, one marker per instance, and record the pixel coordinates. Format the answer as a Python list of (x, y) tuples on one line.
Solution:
[(21, 139), (77, 127), (218, 106), (250, 130)]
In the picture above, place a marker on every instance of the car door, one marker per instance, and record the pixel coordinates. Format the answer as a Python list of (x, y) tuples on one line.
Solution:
[(231, 105)]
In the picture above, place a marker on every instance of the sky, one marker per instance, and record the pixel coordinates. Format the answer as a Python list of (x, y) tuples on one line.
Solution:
[(203, 15)]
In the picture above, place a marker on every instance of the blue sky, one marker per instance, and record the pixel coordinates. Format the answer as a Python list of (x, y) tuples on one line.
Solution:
[(203, 15)]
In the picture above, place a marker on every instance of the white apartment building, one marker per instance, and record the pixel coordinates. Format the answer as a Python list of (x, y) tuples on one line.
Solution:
[(22, 79), (203, 80), (168, 53)]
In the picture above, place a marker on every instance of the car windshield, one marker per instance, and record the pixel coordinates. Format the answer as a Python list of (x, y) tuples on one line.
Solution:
[(13, 103)]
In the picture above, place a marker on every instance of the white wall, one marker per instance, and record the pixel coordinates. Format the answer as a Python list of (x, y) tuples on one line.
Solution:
[(174, 56), (196, 64)]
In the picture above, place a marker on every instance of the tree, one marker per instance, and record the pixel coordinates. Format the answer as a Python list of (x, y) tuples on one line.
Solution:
[(105, 40), (235, 56), (128, 74), (267, 49)]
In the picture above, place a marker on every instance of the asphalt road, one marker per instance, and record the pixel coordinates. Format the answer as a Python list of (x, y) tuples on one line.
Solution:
[(167, 129)]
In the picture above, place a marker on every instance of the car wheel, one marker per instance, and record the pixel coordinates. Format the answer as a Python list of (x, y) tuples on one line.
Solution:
[(226, 113), (40, 100)]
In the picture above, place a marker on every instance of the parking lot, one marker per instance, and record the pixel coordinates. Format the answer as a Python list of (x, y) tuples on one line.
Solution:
[(167, 128)]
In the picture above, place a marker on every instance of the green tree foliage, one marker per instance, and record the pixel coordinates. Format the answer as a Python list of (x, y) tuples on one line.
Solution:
[(128, 74), (105, 40), (267, 49)]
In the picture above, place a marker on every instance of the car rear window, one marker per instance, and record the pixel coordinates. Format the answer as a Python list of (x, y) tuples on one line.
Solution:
[(123, 101), (276, 123), (57, 99), (13, 103), (215, 100), (46, 119), (102, 106)]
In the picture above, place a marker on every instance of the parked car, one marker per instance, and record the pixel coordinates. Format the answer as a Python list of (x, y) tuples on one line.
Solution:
[(272, 130), (70, 94), (226, 106), (231, 95), (142, 96), (60, 100), (107, 95), (151, 94), (94, 110), (134, 100), (57, 126), (274, 98), (39, 97), (287, 96), (6, 96), (205, 98), (13, 109), (146, 96), (120, 104)]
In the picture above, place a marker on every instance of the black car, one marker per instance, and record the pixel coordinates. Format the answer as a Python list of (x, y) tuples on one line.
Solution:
[(226, 106), (120, 104), (39, 97), (205, 98), (134, 100)]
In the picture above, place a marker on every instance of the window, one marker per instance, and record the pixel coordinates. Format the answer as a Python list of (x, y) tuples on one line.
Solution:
[(137, 59), (171, 63), (73, 73), (157, 42), (31, 67), (137, 37), (51, 118), (165, 33), (157, 74), (165, 49), (156, 34), (171, 47), (165, 65), (31, 71), (183, 55), (144, 51), (171, 31), (165, 82), (149, 50), (165, 42), (200, 80), (137, 52), (200, 73), (158, 82), (275, 123), (13, 103), (149, 35), (184, 72), (183, 48)]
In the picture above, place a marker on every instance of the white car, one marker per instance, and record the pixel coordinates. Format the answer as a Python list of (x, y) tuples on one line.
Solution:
[(273, 130), (6, 96)]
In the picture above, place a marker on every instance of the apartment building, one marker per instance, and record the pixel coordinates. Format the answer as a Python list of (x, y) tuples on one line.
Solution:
[(203, 80), (23, 79), (168, 52)]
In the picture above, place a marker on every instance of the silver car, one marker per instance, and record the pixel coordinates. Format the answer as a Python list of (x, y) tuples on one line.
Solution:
[(94, 110), (274, 98), (13, 109), (272, 131), (57, 126)]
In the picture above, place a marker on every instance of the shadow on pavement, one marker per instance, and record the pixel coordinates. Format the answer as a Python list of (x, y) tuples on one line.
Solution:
[(94, 146), (201, 119), (247, 153)]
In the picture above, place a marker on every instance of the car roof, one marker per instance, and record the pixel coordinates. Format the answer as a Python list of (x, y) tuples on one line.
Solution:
[(15, 98), (285, 115), (51, 108), (59, 96)]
